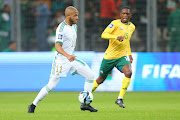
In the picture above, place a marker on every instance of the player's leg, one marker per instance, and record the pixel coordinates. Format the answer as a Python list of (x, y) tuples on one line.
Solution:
[(56, 72), (98, 81), (125, 67), (53, 81), (81, 68), (105, 69), (87, 73), (125, 82)]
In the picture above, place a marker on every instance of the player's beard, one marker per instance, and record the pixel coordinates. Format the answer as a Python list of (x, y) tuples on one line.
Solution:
[(71, 21)]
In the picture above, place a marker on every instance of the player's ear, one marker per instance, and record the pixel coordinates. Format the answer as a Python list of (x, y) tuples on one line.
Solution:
[(130, 15)]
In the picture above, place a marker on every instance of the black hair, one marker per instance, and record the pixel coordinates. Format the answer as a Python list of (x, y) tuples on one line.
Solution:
[(126, 7), (5, 6), (11, 42)]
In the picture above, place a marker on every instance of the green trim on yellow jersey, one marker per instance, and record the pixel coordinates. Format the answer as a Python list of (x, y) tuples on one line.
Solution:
[(117, 49), (59, 42), (126, 23)]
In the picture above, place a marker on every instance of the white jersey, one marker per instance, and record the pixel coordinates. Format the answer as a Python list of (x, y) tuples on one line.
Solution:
[(66, 35)]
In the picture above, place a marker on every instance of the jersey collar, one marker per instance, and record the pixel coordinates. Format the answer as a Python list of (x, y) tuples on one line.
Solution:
[(125, 23)]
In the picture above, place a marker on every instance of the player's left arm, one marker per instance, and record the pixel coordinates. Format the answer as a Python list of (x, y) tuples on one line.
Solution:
[(129, 49), (129, 52)]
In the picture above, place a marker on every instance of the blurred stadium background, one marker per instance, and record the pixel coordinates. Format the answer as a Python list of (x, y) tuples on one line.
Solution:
[(156, 65), (22, 23)]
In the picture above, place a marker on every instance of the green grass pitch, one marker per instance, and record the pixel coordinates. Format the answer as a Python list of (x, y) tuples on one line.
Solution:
[(65, 106)]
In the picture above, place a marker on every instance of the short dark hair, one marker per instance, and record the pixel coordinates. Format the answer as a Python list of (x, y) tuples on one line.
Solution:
[(11, 42), (4, 6), (126, 7)]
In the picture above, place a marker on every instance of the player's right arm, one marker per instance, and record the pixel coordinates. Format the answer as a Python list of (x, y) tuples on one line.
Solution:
[(107, 33), (59, 49), (58, 46)]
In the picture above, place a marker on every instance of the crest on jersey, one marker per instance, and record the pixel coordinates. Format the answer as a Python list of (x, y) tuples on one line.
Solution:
[(111, 25), (121, 28), (60, 36)]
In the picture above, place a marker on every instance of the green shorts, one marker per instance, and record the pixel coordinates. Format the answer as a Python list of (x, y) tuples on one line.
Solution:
[(108, 65)]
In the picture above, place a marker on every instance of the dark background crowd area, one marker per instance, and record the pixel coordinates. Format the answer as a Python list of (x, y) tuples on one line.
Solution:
[(40, 18)]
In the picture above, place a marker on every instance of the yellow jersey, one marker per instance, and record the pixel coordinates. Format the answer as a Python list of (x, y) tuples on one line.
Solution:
[(117, 49)]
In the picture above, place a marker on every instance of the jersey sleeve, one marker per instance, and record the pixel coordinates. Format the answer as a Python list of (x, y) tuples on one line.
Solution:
[(128, 48), (133, 28), (59, 36), (107, 33)]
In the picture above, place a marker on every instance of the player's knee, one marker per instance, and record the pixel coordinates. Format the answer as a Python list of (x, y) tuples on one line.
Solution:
[(128, 73), (101, 79), (51, 86), (53, 82), (90, 76)]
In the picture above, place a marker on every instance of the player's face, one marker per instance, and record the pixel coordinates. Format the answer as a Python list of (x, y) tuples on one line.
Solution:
[(74, 17), (125, 15)]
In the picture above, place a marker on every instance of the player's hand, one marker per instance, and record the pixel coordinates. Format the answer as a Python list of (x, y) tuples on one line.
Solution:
[(71, 58), (130, 59), (120, 38)]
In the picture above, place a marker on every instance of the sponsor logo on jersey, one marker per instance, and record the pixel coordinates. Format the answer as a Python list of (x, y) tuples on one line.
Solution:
[(60, 36), (121, 28), (111, 25), (130, 31)]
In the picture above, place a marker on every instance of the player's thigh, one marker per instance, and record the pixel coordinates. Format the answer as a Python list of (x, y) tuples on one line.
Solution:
[(106, 67), (60, 68), (126, 69), (81, 68), (123, 64)]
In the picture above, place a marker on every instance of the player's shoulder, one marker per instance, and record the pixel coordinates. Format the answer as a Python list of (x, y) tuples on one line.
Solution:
[(115, 21), (75, 26), (62, 26), (132, 25)]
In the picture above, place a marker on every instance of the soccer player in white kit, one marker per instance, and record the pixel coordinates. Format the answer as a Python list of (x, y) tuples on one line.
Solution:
[(64, 61)]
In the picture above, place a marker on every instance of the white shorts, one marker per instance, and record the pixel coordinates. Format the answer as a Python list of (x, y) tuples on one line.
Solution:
[(61, 67)]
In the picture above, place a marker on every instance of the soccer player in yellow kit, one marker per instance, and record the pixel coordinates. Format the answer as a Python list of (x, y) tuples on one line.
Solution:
[(119, 33)]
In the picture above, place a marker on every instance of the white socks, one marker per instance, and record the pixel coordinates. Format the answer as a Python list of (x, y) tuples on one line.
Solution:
[(120, 97), (42, 94), (53, 81), (88, 85)]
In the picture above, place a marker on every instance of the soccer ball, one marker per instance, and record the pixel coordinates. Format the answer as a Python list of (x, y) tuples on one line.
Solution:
[(85, 97)]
